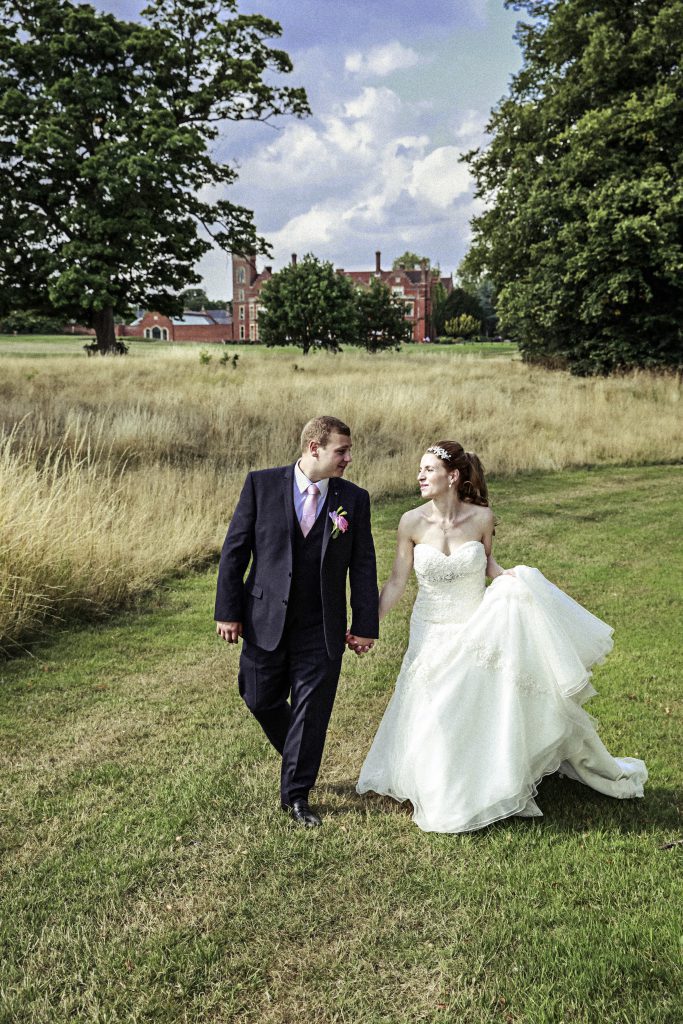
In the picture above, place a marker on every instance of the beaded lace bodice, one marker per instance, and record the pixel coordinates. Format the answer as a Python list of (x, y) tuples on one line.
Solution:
[(451, 586)]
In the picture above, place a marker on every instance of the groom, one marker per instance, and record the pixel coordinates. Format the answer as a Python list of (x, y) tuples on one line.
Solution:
[(304, 528)]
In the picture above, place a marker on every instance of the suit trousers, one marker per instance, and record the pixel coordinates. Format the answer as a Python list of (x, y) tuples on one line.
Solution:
[(290, 691)]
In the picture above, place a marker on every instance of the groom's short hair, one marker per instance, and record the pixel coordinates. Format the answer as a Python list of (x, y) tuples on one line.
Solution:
[(320, 429)]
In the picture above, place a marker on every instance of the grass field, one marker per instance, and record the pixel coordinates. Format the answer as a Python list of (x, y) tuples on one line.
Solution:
[(148, 874), (67, 344), (117, 473)]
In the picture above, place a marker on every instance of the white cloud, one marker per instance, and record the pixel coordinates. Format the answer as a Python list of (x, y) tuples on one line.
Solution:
[(381, 60), (471, 129), (376, 165), (362, 175), (311, 231), (373, 104), (439, 178)]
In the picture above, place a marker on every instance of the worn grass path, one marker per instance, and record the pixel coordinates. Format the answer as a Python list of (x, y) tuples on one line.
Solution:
[(148, 876)]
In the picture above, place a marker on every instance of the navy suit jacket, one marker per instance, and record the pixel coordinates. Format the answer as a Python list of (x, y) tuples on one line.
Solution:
[(262, 531)]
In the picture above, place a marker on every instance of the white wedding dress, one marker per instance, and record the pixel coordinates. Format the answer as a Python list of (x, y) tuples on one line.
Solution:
[(488, 699)]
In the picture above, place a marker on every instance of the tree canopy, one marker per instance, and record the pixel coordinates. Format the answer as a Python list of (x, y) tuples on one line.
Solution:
[(105, 165), (310, 305), (313, 306), (460, 302), (410, 261), (381, 318), (196, 299), (583, 235)]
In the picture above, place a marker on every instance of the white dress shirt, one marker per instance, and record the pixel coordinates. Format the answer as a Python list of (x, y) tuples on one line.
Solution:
[(301, 482)]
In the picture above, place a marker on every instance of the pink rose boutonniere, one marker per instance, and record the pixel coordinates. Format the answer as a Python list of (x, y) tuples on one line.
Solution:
[(341, 524)]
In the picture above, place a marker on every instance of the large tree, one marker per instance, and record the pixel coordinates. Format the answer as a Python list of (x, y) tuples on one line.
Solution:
[(310, 305), (583, 235), (109, 193), (197, 299), (459, 302), (410, 261), (381, 318)]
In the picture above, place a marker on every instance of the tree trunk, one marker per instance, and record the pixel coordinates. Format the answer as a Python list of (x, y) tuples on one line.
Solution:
[(103, 322)]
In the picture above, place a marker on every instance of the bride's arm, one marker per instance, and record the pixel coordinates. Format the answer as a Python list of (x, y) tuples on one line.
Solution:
[(393, 589), (492, 568)]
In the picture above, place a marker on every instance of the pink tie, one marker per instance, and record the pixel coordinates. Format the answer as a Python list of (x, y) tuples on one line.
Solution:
[(309, 509)]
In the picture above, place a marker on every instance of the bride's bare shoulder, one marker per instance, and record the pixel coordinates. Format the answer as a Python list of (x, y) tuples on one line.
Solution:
[(410, 519), (485, 521), (484, 514)]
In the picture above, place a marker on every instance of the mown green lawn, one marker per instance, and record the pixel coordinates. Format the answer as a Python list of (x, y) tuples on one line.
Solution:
[(58, 344), (148, 874)]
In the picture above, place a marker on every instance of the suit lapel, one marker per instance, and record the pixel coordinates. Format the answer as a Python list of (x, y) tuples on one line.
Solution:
[(333, 503), (288, 495)]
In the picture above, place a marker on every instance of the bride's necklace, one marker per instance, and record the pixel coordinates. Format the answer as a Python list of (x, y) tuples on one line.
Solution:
[(446, 524)]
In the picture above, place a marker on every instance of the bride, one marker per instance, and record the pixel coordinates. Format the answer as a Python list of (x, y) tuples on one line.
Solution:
[(488, 699)]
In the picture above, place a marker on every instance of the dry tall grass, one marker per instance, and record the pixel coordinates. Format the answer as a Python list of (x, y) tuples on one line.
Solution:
[(114, 473), (78, 537)]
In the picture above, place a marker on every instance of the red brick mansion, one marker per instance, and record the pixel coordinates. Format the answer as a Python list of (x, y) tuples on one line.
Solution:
[(415, 287)]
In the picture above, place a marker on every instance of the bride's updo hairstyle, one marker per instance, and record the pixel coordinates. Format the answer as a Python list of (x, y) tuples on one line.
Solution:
[(471, 481)]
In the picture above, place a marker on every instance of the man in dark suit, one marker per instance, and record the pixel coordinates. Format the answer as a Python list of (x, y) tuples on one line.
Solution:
[(305, 529)]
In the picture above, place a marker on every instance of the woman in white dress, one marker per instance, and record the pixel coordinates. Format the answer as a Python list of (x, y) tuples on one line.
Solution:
[(488, 699)]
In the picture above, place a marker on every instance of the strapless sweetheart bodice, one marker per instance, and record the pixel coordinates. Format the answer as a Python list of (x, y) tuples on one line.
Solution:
[(451, 587)]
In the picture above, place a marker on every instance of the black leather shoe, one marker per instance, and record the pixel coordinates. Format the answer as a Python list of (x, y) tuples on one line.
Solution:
[(302, 814)]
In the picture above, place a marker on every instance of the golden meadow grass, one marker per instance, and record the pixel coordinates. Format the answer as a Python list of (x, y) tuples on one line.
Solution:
[(116, 473)]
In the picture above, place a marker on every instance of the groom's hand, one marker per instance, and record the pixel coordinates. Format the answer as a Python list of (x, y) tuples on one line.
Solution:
[(229, 631), (359, 644)]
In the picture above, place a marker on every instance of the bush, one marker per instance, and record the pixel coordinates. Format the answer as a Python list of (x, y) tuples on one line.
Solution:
[(28, 321), (463, 326)]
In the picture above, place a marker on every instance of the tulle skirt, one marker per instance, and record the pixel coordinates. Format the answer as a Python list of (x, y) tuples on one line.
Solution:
[(484, 709)]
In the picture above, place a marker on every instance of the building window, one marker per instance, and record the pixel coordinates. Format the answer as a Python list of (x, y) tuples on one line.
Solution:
[(240, 295), (252, 332), (148, 332), (241, 312), (252, 310), (410, 310), (241, 275), (156, 333), (397, 291), (241, 332)]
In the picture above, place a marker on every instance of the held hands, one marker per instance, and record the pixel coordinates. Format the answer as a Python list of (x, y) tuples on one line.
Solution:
[(359, 644), (229, 631)]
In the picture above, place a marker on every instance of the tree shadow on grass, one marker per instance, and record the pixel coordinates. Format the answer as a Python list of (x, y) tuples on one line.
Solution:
[(567, 807)]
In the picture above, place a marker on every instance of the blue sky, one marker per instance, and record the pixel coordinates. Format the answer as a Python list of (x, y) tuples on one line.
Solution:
[(399, 89)]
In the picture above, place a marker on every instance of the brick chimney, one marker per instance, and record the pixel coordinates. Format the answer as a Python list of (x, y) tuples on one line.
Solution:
[(378, 262), (293, 259)]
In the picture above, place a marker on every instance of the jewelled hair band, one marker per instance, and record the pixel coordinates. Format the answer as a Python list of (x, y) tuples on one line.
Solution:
[(440, 452)]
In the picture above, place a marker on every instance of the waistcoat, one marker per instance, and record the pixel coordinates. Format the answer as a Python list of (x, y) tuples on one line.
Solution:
[(305, 606)]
